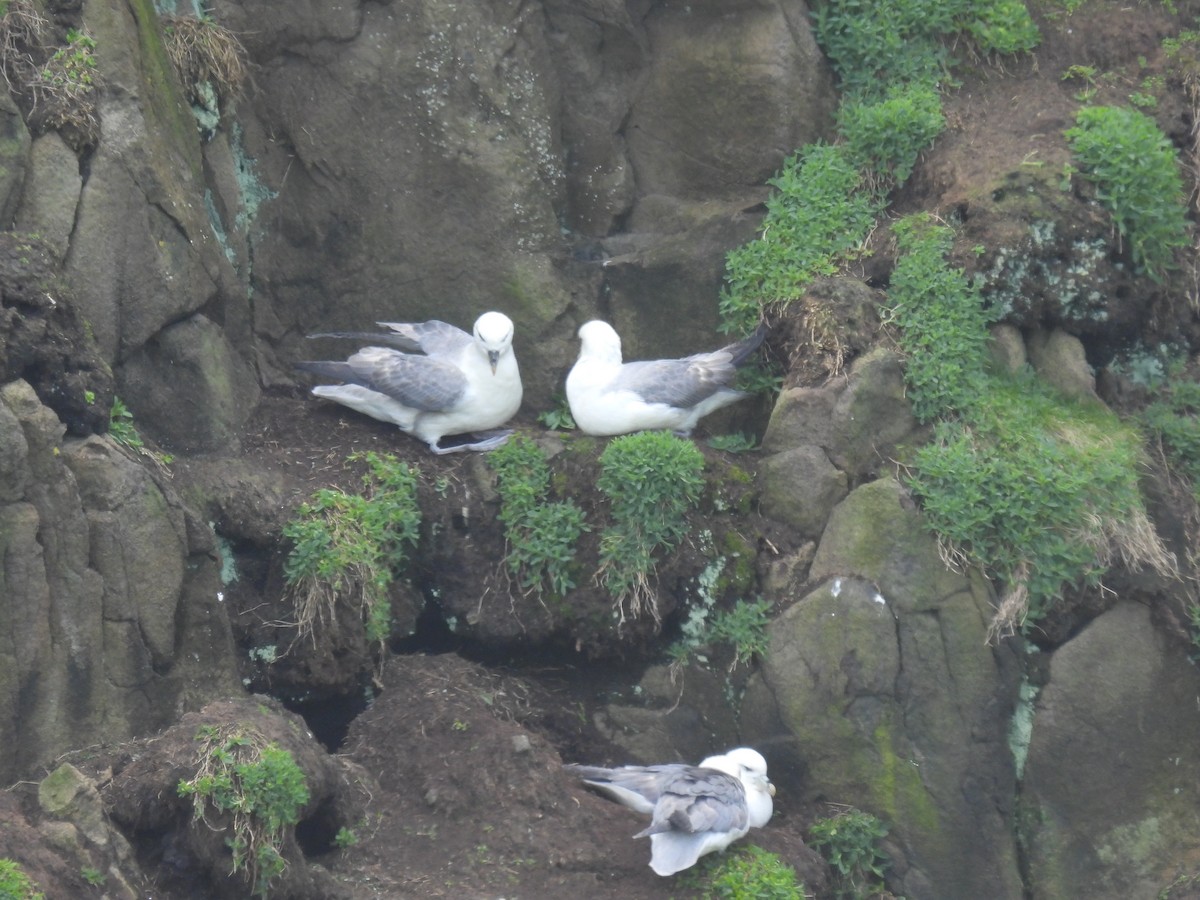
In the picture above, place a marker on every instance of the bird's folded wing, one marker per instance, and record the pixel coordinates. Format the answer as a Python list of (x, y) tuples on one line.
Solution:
[(680, 383), (420, 382), (699, 800)]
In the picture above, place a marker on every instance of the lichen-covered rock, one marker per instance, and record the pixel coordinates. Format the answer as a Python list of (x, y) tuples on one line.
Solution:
[(894, 703), (1109, 796)]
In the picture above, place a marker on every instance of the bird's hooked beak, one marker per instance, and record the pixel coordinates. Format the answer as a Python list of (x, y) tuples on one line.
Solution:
[(493, 359), (771, 788)]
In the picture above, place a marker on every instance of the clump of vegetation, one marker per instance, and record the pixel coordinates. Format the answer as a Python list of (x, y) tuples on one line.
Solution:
[(744, 628), (942, 321), (1133, 166), (891, 58), (850, 843), (818, 217), (258, 791), (121, 427), (559, 418), (875, 44), (15, 884), (1173, 419), (1039, 490), (885, 135), (652, 479), (541, 535), (348, 548), (747, 873), (209, 59)]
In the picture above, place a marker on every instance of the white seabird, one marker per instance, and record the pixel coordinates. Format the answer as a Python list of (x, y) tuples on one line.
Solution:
[(694, 809), (609, 397), (441, 381)]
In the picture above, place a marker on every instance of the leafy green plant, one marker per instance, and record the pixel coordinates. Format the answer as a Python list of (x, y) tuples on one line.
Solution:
[(15, 884), (651, 480), (817, 217), (738, 442), (345, 838), (1014, 468), (541, 535), (121, 427), (93, 876), (850, 842), (1174, 420), (747, 873), (942, 321), (873, 43), (744, 627), (1133, 167), (256, 789), (559, 418), (348, 548), (71, 70), (885, 135)]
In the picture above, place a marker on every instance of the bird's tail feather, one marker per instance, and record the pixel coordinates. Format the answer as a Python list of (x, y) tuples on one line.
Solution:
[(673, 852), (741, 351)]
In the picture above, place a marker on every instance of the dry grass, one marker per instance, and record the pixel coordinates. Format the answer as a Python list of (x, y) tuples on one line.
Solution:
[(205, 53)]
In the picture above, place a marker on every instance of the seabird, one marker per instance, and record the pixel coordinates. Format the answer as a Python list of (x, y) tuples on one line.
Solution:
[(694, 809), (607, 397), (441, 381)]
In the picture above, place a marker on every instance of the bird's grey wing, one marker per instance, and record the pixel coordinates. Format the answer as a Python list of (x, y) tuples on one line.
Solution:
[(433, 338), (429, 385), (680, 383), (699, 800), (645, 781)]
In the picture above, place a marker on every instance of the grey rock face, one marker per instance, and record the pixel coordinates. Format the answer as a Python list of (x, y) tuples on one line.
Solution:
[(1109, 798), (892, 701), (110, 607)]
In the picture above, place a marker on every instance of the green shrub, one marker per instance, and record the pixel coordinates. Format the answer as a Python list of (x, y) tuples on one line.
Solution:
[(876, 43), (15, 884), (886, 135), (1174, 420), (850, 842), (651, 479), (943, 325), (259, 789), (541, 535), (1133, 166), (348, 548), (817, 217), (747, 873), (1040, 491), (121, 427), (743, 627), (1014, 470)]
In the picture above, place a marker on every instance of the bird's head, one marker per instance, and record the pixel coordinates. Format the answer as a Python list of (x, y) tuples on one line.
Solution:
[(745, 764), (493, 335), (599, 339)]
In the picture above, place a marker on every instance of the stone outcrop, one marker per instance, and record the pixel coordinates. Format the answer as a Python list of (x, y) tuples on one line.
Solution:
[(1108, 803), (111, 597), (880, 675)]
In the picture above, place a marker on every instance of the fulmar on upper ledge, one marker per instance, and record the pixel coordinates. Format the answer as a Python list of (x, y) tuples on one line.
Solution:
[(694, 809), (609, 397), (442, 380)]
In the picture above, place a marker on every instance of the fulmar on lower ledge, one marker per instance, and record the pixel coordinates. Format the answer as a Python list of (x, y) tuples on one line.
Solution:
[(694, 809), (442, 381)]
